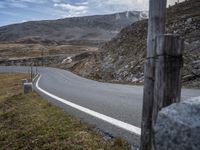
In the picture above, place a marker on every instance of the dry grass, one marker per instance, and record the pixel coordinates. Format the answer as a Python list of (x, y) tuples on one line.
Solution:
[(15, 51), (10, 85), (29, 122)]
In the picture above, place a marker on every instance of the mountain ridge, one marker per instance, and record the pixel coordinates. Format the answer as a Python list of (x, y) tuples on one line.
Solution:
[(89, 29)]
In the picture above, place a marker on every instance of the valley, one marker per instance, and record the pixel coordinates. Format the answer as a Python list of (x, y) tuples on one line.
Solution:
[(117, 58)]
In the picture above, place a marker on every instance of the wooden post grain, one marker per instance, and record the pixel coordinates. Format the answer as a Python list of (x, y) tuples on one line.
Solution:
[(167, 87), (156, 26)]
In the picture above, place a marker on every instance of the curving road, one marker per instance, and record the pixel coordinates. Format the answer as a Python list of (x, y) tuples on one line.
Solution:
[(113, 108)]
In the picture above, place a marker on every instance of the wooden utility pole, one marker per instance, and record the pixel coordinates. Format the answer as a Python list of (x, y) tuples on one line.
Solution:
[(162, 85), (156, 26)]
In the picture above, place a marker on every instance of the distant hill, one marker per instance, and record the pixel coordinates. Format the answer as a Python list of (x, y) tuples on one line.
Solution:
[(89, 29)]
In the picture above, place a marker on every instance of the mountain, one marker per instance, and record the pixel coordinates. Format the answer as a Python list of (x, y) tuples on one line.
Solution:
[(122, 58), (77, 30)]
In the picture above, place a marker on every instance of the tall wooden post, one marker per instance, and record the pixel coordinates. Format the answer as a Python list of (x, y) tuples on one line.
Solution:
[(156, 26)]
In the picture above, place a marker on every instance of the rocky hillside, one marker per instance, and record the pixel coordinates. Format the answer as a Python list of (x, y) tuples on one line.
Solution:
[(122, 58), (78, 30)]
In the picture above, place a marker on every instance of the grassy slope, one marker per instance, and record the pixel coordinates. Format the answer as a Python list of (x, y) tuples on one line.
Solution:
[(29, 122)]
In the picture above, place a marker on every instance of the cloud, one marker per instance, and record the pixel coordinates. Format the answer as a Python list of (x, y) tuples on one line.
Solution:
[(120, 5), (57, 1), (24, 2), (71, 7), (2, 4), (12, 4), (29, 1), (72, 10), (9, 13), (17, 10), (109, 6), (82, 3), (17, 5)]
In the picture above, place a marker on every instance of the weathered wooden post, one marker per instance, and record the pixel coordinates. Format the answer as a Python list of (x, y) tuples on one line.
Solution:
[(167, 87), (156, 26)]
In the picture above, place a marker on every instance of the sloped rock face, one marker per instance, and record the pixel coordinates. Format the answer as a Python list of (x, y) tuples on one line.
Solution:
[(122, 58), (178, 126)]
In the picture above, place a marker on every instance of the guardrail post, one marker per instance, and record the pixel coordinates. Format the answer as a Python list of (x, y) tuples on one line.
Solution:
[(24, 81), (28, 87)]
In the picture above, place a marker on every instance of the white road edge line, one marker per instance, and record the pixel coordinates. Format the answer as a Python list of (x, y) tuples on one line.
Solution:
[(115, 122), (35, 77)]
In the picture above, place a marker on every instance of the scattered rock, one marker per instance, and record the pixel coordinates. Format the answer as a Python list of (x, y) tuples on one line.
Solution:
[(189, 20), (67, 60)]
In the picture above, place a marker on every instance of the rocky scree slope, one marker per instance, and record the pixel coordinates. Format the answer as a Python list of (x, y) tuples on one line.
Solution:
[(77, 30), (122, 58)]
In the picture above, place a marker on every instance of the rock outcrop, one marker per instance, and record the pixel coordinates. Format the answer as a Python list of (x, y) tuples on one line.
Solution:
[(178, 126)]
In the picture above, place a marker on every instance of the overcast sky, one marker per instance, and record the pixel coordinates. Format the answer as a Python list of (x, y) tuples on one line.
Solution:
[(17, 11)]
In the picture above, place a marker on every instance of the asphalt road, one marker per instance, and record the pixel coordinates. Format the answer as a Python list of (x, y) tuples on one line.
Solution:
[(115, 103)]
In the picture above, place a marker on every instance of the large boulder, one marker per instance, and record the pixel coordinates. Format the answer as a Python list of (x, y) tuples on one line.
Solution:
[(178, 126)]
